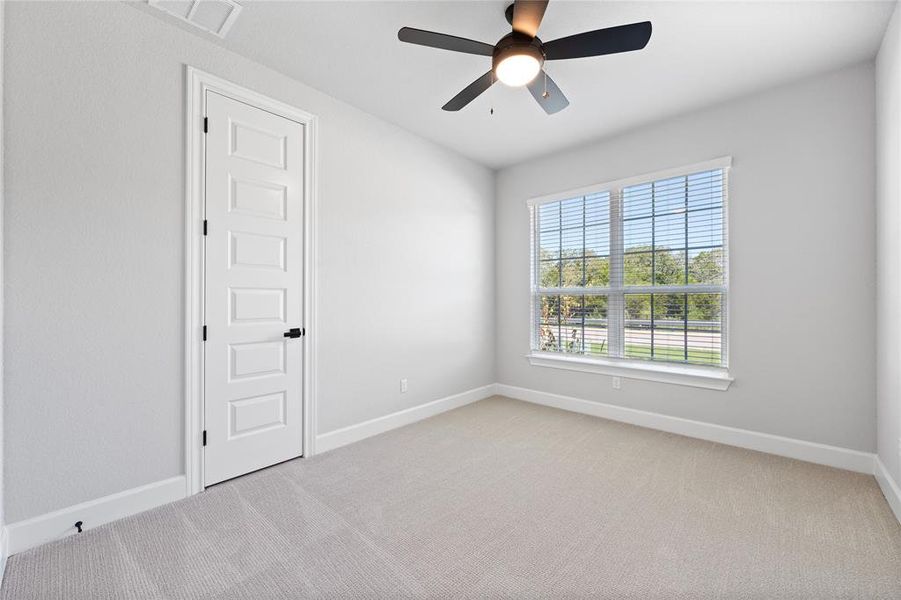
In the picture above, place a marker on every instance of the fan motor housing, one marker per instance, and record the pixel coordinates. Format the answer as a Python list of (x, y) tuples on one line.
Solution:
[(516, 44)]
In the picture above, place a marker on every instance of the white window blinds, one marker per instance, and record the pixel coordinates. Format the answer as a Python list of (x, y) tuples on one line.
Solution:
[(635, 271)]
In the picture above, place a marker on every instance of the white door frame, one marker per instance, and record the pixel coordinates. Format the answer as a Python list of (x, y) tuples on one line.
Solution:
[(197, 83)]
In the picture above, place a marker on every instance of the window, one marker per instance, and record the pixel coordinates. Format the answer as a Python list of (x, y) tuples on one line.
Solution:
[(634, 270)]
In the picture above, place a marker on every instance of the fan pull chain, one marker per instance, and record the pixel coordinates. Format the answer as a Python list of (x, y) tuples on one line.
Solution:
[(545, 94), (491, 97)]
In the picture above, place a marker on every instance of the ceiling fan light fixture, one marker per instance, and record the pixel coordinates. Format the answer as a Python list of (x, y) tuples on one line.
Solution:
[(518, 57), (517, 69), (516, 61)]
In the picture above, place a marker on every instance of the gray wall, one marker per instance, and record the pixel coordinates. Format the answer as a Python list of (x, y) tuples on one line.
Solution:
[(888, 193), (802, 227), (94, 250), (2, 461)]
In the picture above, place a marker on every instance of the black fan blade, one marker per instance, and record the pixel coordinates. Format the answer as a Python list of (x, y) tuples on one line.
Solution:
[(527, 15), (470, 92), (611, 40), (444, 41), (547, 94)]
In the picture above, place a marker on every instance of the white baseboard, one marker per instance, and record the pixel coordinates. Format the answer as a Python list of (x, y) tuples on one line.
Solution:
[(4, 552), (360, 431), (29, 533), (833, 456), (890, 488), (22, 535)]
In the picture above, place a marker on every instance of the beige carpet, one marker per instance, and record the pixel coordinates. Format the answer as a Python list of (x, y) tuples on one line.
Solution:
[(497, 499)]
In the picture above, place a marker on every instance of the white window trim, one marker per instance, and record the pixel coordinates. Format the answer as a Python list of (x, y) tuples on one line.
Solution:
[(714, 378), (711, 378), (723, 162)]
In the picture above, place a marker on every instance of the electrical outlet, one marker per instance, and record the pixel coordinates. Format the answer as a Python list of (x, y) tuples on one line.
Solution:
[(403, 385), (617, 383)]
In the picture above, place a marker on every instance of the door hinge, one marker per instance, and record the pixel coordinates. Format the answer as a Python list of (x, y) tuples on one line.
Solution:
[(204, 437), (206, 125), (204, 227), (204, 333)]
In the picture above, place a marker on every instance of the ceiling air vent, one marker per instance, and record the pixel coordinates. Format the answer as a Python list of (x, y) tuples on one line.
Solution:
[(213, 16)]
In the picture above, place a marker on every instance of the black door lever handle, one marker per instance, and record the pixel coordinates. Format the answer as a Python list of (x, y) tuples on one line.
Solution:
[(294, 333)]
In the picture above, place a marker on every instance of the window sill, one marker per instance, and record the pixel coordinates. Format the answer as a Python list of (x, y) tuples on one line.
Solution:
[(703, 377)]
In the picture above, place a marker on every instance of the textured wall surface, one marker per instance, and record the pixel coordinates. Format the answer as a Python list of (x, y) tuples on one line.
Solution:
[(888, 332), (95, 256), (802, 227)]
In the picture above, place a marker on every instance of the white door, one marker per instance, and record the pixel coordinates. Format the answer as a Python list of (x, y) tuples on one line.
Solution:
[(253, 363)]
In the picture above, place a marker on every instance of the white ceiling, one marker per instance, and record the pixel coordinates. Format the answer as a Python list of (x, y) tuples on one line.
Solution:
[(700, 53)]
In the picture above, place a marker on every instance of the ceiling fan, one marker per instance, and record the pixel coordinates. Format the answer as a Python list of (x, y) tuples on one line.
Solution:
[(518, 57)]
